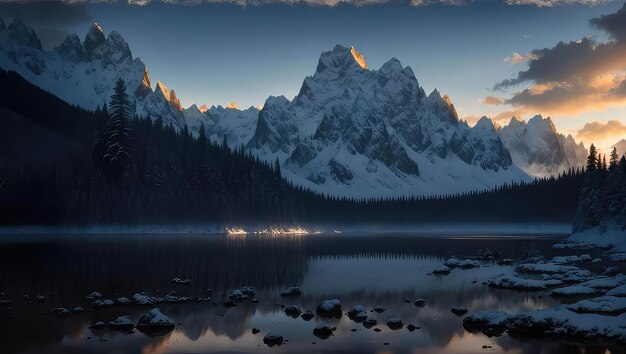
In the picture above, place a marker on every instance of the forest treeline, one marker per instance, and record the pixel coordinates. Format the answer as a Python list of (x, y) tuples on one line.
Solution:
[(603, 196), (63, 165)]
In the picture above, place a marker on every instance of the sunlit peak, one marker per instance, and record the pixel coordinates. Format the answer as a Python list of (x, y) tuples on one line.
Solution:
[(358, 58), (233, 105), (203, 108), (163, 89), (97, 26)]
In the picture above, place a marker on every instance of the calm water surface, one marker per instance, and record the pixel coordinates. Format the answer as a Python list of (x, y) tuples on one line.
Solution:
[(382, 270)]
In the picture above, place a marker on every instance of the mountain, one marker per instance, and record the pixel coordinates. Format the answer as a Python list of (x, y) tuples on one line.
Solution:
[(84, 73), (236, 125), (620, 146), (353, 131), (350, 131), (48, 179), (537, 148)]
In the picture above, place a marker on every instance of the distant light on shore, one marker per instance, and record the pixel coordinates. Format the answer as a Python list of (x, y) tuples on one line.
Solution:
[(296, 230)]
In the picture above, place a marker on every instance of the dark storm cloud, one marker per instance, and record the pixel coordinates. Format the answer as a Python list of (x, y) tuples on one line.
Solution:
[(613, 24), (578, 75), (50, 19), (568, 60)]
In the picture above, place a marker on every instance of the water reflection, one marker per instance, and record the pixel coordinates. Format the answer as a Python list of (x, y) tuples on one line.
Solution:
[(370, 271)]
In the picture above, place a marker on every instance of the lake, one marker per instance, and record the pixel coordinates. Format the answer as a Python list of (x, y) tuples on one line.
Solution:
[(386, 270)]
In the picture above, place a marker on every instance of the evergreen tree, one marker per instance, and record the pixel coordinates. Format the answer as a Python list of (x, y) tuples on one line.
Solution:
[(114, 141), (589, 200), (614, 159), (614, 198), (277, 169), (592, 158), (202, 137)]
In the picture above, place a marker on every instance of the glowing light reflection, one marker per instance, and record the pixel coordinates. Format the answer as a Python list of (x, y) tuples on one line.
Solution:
[(274, 231)]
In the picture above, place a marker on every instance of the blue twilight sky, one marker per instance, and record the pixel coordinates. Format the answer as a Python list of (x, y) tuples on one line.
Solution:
[(214, 53)]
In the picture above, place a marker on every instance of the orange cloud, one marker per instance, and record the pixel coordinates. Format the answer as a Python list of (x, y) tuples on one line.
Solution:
[(492, 100), (598, 131), (517, 58), (577, 76), (572, 97)]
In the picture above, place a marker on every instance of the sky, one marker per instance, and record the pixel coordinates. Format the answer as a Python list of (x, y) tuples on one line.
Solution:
[(558, 58)]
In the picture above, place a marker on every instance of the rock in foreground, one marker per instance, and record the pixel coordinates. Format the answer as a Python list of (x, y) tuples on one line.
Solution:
[(330, 308), (155, 323), (271, 339)]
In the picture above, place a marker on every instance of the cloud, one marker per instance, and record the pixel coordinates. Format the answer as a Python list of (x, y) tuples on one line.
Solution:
[(244, 3), (575, 76), (330, 3), (49, 19), (614, 24), (433, 2), (492, 100), (517, 58), (550, 3), (598, 131)]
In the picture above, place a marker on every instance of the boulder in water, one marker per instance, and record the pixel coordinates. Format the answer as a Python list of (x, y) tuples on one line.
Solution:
[(459, 311), (271, 339), (291, 291), (323, 331), (395, 324), (330, 308), (155, 323)]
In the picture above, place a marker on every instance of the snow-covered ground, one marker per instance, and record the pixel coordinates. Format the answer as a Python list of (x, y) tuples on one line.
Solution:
[(599, 315), (611, 235)]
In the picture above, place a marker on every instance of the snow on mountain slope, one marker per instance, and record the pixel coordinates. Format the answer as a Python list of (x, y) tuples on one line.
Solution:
[(537, 148), (366, 133), (620, 146), (236, 125), (84, 73)]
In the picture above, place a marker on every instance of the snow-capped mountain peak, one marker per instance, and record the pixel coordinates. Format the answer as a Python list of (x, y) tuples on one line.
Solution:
[(71, 47), (358, 57), (203, 108), (162, 90), (84, 73), (363, 132), (485, 123), (392, 65), (539, 149), (541, 124), (169, 96), (174, 101), (94, 38), (20, 33), (515, 122), (340, 61), (233, 105), (145, 88)]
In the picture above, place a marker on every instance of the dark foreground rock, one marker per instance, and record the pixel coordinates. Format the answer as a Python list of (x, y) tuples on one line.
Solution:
[(155, 323), (330, 308)]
